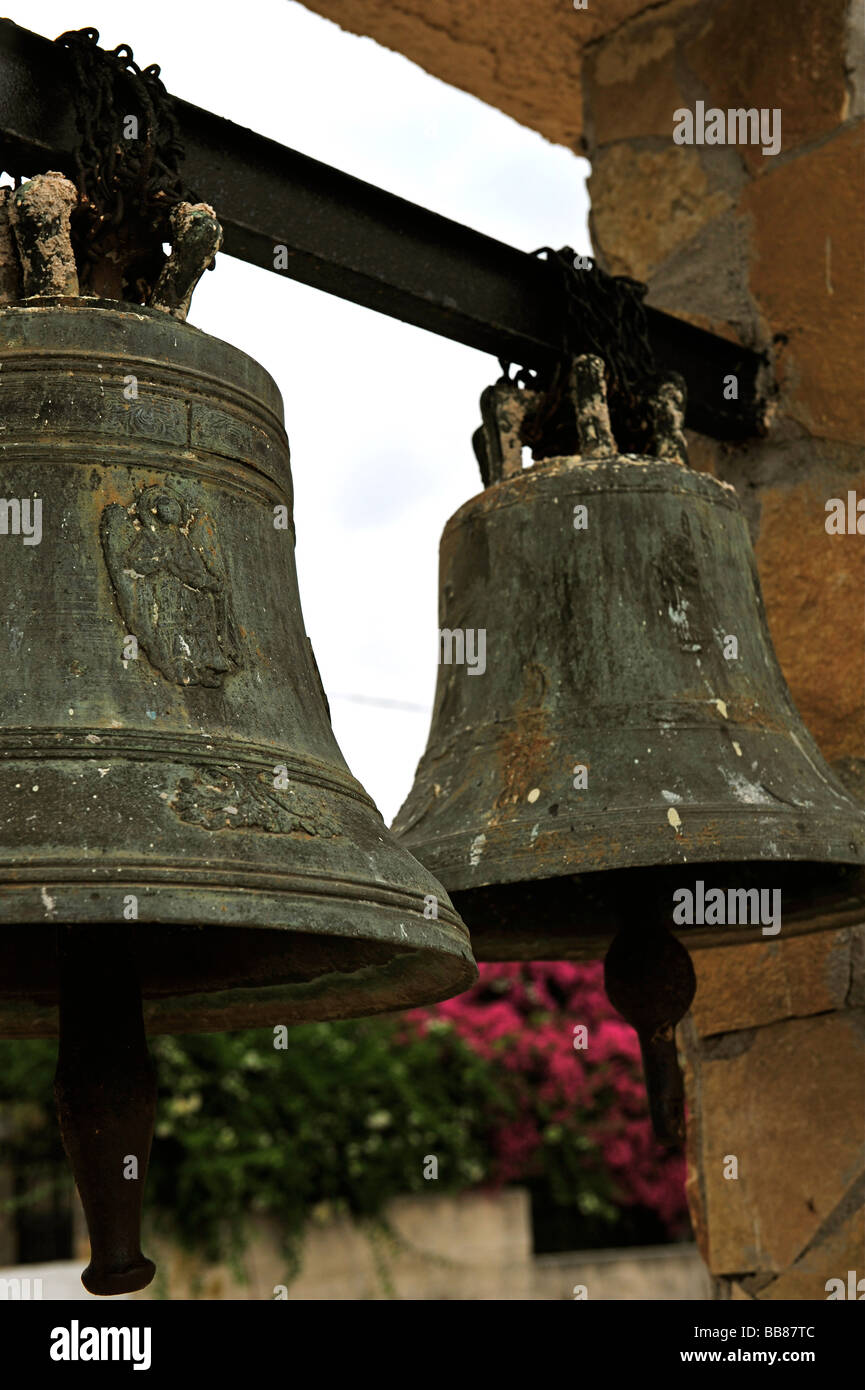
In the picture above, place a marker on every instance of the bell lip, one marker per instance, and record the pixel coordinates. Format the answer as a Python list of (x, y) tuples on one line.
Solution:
[(574, 917), (632, 843), (431, 959), (416, 980), (550, 920), (497, 947), (392, 989)]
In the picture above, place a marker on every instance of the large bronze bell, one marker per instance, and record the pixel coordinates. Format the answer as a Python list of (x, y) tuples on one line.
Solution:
[(177, 817), (167, 750), (631, 740)]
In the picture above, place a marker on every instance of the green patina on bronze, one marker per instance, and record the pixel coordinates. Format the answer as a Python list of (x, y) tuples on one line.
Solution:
[(606, 585), (200, 777)]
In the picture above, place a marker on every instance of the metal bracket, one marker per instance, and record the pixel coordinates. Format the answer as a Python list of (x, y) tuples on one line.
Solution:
[(289, 213)]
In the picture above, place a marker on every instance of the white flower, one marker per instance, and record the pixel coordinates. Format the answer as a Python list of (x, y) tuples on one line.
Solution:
[(184, 1105)]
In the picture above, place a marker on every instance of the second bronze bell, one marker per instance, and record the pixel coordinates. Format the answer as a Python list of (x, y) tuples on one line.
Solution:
[(632, 735)]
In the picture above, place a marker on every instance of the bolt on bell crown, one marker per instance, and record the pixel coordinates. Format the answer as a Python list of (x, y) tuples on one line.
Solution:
[(616, 727)]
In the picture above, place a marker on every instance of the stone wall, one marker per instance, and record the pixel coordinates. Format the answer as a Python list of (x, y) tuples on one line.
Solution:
[(476, 1247), (767, 250), (775, 1077), (522, 56)]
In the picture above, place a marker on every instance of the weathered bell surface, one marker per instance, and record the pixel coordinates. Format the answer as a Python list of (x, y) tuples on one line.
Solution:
[(631, 716), (167, 755)]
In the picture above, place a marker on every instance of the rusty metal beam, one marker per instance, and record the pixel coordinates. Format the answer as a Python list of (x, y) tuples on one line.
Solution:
[(350, 239)]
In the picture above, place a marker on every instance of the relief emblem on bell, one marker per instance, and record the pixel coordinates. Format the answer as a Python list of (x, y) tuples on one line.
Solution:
[(243, 800), (171, 587)]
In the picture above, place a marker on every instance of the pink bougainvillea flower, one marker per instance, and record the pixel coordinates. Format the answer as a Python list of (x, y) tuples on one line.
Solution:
[(571, 1062)]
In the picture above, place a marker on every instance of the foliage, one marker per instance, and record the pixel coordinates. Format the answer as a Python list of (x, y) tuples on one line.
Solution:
[(346, 1115), (341, 1119)]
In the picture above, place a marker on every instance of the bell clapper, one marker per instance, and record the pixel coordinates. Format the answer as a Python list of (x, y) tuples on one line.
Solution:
[(105, 1088), (649, 978)]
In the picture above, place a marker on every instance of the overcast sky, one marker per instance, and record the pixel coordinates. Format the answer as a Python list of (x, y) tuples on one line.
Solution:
[(376, 471)]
